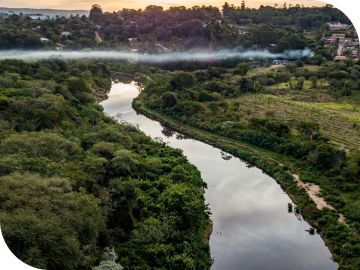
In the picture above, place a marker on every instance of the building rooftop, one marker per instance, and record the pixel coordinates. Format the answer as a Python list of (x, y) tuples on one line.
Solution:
[(340, 57)]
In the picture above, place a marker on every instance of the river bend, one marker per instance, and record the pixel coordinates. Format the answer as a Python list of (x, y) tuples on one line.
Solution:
[(252, 227)]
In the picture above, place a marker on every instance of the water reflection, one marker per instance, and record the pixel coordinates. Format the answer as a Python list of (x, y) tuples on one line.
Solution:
[(225, 156), (168, 132), (252, 227)]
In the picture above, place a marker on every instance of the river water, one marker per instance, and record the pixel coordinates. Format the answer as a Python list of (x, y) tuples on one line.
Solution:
[(252, 227)]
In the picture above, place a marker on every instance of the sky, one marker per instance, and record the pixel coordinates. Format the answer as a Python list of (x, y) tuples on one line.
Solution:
[(110, 5)]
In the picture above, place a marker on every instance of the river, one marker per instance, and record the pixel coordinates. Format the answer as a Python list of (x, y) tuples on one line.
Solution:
[(253, 229)]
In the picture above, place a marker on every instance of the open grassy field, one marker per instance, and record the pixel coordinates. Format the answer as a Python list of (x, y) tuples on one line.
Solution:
[(342, 128)]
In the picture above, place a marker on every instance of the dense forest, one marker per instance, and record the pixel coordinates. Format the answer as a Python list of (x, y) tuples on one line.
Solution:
[(74, 181), (18, 32), (155, 30), (181, 28)]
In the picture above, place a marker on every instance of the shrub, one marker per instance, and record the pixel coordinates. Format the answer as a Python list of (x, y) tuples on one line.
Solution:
[(4, 102), (45, 223), (169, 99), (178, 173), (104, 148)]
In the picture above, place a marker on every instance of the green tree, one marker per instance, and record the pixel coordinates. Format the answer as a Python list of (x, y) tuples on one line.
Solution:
[(242, 68), (299, 63), (45, 224), (169, 99), (313, 80), (95, 13), (257, 88), (308, 127)]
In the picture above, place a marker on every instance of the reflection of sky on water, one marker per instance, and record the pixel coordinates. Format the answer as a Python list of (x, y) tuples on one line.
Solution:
[(252, 228)]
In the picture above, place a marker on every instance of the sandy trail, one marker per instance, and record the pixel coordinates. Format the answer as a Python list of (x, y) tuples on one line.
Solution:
[(98, 36), (313, 191)]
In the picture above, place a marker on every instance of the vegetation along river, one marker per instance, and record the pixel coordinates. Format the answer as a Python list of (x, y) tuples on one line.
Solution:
[(253, 229)]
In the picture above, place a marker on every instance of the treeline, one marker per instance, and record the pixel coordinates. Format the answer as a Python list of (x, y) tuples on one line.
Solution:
[(303, 17), (155, 30), (75, 183), (181, 28), (75, 33)]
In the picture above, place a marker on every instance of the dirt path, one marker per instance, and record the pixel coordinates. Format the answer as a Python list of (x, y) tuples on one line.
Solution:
[(98, 36), (313, 191), (275, 66)]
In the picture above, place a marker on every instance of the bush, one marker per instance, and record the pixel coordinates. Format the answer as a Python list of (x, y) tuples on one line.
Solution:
[(183, 80), (104, 148), (299, 63), (45, 223), (169, 99), (4, 102), (204, 96), (178, 173)]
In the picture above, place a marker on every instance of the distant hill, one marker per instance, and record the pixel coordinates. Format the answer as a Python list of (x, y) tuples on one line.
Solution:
[(45, 11)]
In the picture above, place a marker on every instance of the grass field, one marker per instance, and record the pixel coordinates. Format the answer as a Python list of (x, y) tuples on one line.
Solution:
[(342, 128)]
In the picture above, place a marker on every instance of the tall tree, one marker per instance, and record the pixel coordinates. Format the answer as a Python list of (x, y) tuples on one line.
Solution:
[(95, 13)]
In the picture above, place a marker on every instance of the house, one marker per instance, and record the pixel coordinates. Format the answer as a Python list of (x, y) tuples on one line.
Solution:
[(132, 39), (280, 62), (44, 39), (337, 26), (255, 64), (339, 58), (354, 42), (59, 46), (65, 33), (331, 40), (338, 36), (349, 41), (273, 45), (134, 50)]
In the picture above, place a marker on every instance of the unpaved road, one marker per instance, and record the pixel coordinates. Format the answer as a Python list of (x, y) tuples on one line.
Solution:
[(98, 36)]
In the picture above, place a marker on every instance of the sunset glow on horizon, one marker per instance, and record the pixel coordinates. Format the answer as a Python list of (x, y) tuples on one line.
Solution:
[(118, 5)]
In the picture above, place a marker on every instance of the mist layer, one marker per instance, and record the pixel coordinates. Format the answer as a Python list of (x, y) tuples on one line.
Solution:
[(153, 58)]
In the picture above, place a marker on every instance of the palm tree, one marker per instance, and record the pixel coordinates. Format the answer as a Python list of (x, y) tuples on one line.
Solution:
[(257, 87)]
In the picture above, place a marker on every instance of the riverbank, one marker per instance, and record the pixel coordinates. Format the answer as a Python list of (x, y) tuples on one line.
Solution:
[(309, 203)]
